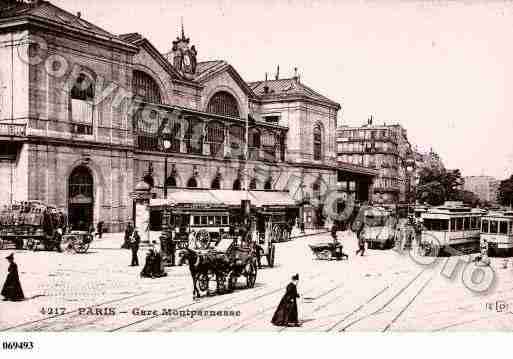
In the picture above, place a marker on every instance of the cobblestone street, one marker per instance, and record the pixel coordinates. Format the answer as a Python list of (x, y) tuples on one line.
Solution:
[(381, 291)]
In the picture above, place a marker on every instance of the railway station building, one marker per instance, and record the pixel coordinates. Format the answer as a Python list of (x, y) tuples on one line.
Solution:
[(86, 114)]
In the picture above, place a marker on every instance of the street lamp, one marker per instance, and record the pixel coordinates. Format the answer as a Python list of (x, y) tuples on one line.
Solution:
[(167, 145), (410, 168)]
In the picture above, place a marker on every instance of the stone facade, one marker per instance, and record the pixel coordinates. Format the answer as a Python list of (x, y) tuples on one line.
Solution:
[(386, 149), (43, 144)]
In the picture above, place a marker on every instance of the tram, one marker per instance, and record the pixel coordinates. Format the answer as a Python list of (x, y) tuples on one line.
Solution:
[(378, 231), (497, 233), (450, 227)]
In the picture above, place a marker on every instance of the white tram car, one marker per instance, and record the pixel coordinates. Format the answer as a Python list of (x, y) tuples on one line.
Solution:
[(446, 227), (497, 233), (378, 231)]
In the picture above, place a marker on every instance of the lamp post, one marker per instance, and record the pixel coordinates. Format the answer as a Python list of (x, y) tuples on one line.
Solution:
[(167, 145), (410, 168)]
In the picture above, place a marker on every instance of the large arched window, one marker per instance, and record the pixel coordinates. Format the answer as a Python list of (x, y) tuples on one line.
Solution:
[(268, 184), (215, 138), (144, 87), (253, 184), (317, 143), (81, 105), (223, 103), (80, 198)]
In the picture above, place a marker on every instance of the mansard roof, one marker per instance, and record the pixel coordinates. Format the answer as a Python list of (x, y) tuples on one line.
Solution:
[(47, 13), (287, 88)]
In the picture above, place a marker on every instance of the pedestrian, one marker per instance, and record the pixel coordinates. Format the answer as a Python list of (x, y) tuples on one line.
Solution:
[(334, 231), (135, 240), (286, 315), (128, 234), (99, 229), (360, 235), (302, 226), (12, 287)]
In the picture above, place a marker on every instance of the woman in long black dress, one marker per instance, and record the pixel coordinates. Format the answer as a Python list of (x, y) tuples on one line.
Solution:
[(12, 287), (286, 313)]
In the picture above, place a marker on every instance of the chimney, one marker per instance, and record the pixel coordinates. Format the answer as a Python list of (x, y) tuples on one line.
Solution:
[(79, 14), (277, 77), (266, 77)]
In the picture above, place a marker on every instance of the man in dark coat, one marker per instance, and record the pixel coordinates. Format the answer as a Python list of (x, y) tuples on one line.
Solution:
[(361, 239), (286, 313), (135, 240), (128, 234), (99, 229), (12, 287)]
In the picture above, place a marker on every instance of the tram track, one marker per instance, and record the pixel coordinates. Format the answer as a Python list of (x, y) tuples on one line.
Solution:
[(232, 306), (381, 309), (196, 303)]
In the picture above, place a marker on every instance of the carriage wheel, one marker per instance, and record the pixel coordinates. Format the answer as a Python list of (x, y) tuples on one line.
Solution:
[(68, 243), (30, 244), (80, 247), (202, 283), (271, 255), (324, 254), (202, 239), (251, 274)]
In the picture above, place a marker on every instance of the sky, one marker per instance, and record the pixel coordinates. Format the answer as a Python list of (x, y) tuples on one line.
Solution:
[(440, 69)]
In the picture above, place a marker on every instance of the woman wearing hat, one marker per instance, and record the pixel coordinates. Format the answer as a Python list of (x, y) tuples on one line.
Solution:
[(286, 313), (12, 287)]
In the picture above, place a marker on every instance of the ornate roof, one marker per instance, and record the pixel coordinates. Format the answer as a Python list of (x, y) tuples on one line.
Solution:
[(283, 88), (48, 12)]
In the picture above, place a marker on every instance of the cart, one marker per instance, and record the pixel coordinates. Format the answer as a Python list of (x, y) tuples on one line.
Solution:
[(328, 251)]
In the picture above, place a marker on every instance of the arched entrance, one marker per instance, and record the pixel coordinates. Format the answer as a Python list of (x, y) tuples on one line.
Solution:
[(80, 198)]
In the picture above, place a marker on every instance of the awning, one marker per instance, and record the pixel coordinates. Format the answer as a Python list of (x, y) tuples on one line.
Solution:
[(273, 198), (186, 196), (224, 197)]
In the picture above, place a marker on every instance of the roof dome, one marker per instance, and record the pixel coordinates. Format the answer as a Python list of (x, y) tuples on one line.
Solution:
[(142, 186)]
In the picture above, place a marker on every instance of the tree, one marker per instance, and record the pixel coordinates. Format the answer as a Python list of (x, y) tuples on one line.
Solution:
[(505, 196), (437, 185), (432, 193), (469, 198)]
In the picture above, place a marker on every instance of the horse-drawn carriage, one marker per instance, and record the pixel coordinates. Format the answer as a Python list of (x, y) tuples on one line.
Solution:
[(31, 225), (76, 241), (222, 265)]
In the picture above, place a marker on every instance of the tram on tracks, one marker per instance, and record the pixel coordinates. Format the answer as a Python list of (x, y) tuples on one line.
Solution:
[(199, 219), (378, 231), (497, 233), (450, 227)]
